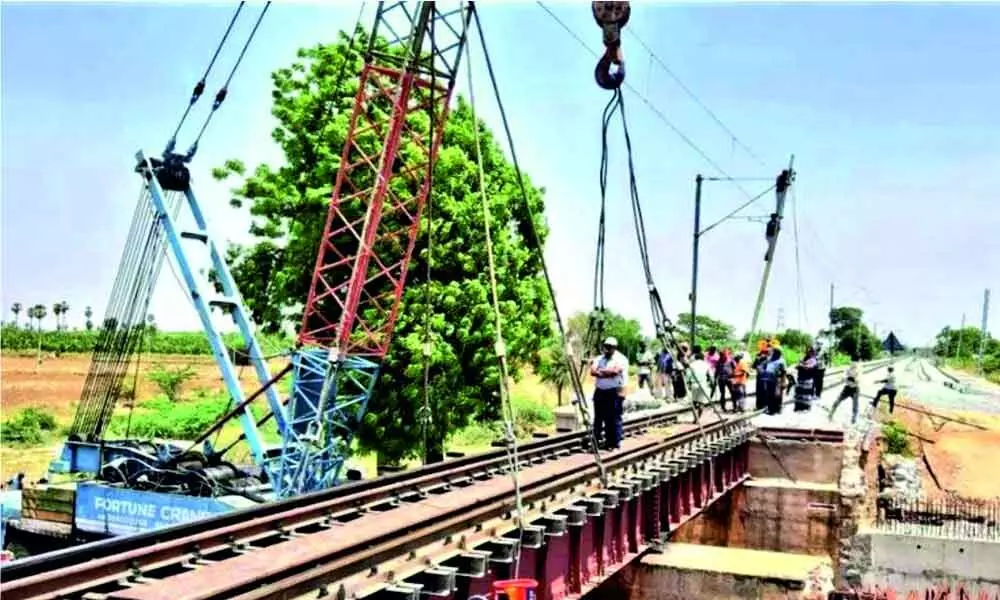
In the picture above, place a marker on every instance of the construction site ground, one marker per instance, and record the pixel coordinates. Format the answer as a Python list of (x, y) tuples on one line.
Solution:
[(958, 459)]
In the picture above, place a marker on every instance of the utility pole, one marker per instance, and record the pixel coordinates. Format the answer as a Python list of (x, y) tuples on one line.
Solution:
[(781, 320), (961, 334), (695, 238), (784, 181), (983, 333)]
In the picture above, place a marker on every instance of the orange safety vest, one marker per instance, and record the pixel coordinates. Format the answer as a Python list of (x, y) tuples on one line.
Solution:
[(741, 372)]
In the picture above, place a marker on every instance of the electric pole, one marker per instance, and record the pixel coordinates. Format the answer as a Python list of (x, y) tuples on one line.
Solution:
[(783, 182), (983, 333), (695, 238)]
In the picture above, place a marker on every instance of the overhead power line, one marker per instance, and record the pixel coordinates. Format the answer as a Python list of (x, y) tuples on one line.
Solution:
[(736, 140)]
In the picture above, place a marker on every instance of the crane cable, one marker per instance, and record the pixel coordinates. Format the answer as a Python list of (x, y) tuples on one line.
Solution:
[(535, 241), (426, 414), (596, 320), (664, 327), (507, 408), (220, 96), (199, 88)]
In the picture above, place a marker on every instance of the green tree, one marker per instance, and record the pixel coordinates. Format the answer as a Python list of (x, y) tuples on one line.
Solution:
[(313, 100), (88, 313), (794, 338), (57, 312), (852, 335), (553, 368), (708, 331), (16, 309), (628, 332)]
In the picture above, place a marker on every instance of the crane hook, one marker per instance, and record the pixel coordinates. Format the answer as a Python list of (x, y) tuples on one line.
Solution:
[(611, 17)]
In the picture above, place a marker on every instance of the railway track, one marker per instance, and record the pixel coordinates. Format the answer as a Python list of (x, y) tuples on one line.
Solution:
[(344, 523)]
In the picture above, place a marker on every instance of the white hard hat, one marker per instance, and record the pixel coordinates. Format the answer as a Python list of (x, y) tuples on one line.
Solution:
[(611, 342)]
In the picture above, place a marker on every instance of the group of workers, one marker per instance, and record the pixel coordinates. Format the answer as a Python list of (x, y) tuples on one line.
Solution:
[(715, 371)]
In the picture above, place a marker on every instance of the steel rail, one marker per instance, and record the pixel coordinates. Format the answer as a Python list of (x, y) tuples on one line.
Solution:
[(112, 559), (320, 564)]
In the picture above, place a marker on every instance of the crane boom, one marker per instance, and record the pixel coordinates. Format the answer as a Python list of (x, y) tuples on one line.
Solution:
[(371, 228)]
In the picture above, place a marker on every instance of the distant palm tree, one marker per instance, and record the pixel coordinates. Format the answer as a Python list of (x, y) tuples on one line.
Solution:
[(88, 313), (40, 313), (16, 309), (56, 311), (64, 310)]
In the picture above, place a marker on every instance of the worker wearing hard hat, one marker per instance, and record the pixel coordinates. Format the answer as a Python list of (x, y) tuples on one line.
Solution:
[(610, 371)]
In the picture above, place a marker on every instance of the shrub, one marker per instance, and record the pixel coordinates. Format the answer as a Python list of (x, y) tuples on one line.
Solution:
[(897, 441), (29, 426), (170, 380), (161, 418), (14, 338)]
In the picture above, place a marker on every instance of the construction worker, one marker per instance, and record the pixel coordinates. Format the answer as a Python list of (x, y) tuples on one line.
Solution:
[(759, 361), (712, 358), (888, 389), (609, 370), (645, 361), (852, 390), (701, 379), (771, 233), (723, 376), (741, 371), (664, 374), (772, 374)]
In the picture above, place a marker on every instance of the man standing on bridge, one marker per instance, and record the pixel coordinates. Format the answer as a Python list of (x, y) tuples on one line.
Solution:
[(610, 371)]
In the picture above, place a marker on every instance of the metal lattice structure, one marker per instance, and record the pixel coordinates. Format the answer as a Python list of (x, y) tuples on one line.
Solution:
[(384, 178), (170, 176)]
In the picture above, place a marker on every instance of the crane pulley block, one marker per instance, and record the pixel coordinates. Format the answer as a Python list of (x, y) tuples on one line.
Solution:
[(611, 17)]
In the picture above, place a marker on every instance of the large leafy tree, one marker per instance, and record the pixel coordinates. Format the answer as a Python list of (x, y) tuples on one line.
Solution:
[(626, 331), (708, 331), (852, 335), (313, 99)]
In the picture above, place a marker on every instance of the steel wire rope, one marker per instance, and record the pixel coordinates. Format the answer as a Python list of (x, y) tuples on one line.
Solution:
[(664, 327), (93, 383), (199, 88), (220, 96), (649, 104), (426, 414), (142, 258), (595, 322), (506, 406), (535, 241), (150, 263)]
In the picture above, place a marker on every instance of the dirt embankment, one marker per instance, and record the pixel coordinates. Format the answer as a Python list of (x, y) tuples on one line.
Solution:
[(958, 459)]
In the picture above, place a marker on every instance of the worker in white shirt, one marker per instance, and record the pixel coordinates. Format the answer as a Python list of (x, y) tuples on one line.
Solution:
[(888, 389), (701, 378), (610, 371), (645, 361)]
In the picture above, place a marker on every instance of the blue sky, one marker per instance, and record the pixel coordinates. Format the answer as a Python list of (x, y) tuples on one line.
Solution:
[(890, 111)]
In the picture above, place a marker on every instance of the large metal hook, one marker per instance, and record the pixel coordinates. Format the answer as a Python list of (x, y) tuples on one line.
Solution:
[(611, 17), (610, 70)]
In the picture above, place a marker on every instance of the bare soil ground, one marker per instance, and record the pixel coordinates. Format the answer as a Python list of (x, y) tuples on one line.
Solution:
[(962, 459), (56, 384)]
